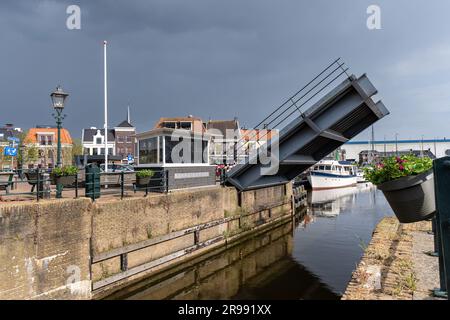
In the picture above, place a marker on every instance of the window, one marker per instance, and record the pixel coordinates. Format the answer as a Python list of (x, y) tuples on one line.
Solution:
[(98, 141), (120, 139), (110, 151), (197, 150), (95, 152), (148, 151), (128, 139), (170, 124), (328, 168), (45, 140), (186, 125), (102, 151)]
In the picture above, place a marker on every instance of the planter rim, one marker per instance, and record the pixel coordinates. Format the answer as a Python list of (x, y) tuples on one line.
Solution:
[(406, 182)]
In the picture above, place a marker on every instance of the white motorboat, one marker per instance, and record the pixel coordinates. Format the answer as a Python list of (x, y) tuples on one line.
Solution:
[(330, 174)]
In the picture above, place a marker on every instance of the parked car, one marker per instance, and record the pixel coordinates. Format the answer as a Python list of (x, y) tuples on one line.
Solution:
[(117, 168), (112, 178)]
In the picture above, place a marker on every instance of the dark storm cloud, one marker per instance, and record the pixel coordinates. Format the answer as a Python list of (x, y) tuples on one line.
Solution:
[(219, 59)]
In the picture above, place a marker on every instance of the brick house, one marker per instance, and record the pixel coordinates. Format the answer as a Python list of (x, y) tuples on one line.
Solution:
[(125, 139)]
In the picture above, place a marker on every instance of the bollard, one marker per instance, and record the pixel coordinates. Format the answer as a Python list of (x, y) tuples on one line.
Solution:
[(38, 185), (122, 183), (46, 186), (166, 178)]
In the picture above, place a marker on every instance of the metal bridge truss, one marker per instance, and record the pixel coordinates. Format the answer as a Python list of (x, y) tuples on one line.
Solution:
[(307, 137)]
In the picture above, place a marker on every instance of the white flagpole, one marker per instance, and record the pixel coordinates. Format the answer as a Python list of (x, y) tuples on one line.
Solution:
[(106, 107)]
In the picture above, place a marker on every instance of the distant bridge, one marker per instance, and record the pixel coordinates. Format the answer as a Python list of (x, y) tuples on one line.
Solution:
[(308, 136)]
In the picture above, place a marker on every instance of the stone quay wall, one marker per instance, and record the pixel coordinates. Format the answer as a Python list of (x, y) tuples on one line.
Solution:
[(79, 249)]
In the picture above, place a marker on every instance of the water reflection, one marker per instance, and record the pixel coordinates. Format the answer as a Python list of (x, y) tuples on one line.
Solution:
[(259, 268), (330, 203), (330, 240)]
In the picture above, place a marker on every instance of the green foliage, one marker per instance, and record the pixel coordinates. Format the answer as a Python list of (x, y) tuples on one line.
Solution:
[(145, 173), (32, 153), (77, 148), (65, 171), (396, 167)]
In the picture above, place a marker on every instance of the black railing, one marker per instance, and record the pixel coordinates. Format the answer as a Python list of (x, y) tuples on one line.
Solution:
[(29, 184), (39, 180), (122, 183)]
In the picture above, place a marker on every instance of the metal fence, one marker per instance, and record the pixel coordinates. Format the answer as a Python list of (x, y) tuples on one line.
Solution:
[(30, 184)]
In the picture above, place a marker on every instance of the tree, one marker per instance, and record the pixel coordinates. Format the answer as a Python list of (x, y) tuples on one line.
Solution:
[(20, 156), (32, 154), (77, 148)]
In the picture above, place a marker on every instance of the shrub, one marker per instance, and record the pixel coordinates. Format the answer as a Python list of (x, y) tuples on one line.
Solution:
[(145, 173), (396, 167), (65, 171)]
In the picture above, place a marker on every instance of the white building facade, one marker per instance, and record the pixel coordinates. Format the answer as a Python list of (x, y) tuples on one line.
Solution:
[(93, 140)]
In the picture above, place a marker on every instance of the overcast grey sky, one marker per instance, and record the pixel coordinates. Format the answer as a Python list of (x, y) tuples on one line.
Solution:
[(220, 59)]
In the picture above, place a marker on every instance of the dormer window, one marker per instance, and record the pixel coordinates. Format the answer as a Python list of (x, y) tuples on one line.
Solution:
[(45, 140), (98, 140)]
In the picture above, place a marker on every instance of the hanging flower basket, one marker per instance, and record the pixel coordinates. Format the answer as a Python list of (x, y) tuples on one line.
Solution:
[(411, 198), (408, 185)]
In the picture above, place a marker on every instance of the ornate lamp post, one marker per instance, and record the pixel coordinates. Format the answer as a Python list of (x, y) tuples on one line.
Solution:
[(58, 99)]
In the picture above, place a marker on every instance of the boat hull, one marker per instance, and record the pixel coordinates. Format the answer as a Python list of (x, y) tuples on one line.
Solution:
[(323, 181)]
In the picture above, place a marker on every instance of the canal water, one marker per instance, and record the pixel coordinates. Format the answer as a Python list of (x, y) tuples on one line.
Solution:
[(311, 259)]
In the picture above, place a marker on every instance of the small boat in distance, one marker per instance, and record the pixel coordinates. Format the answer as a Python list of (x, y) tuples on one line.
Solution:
[(331, 174), (360, 176)]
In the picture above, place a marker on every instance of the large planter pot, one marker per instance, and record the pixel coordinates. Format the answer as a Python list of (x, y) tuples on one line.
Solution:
[(66, 181), (411, 198)]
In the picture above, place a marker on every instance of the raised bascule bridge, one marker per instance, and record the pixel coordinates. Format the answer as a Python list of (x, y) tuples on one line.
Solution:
[(312, 123)]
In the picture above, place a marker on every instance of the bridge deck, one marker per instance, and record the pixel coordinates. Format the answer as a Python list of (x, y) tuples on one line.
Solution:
[(336, 118)]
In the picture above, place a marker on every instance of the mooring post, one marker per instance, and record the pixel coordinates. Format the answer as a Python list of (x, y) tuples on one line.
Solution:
[(293, 213), (124, 262), (441, 169)]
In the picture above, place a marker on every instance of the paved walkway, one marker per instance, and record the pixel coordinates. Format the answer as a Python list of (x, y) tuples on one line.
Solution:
[(395, 265), (426, 267)]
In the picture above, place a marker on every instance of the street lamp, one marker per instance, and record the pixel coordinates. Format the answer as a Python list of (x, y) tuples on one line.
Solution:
[(58, 99)]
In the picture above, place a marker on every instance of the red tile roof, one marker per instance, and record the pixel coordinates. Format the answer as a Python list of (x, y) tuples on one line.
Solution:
[(32, 135)]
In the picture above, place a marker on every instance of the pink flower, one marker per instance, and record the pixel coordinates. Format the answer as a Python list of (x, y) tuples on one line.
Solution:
[(401, 167), (399, 160)]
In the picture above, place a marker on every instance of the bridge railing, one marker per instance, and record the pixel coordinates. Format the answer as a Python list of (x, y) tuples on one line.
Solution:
[(296, 104)]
